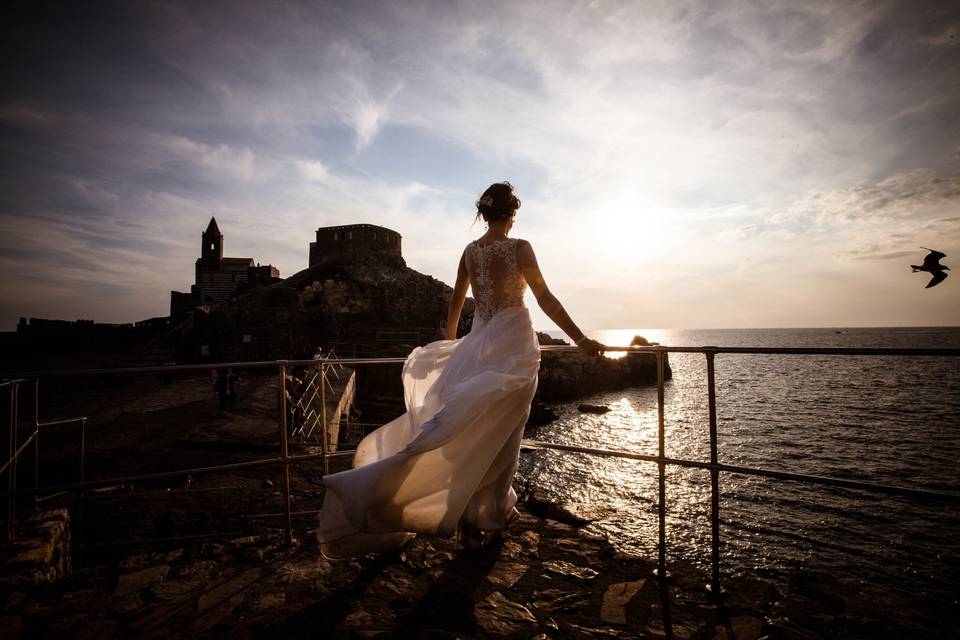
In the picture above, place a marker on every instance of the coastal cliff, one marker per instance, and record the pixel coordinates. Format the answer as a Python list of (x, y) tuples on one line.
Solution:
[(569, 375)]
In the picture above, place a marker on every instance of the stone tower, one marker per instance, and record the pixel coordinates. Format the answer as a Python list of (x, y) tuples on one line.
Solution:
[(354, 242), (211, 251)]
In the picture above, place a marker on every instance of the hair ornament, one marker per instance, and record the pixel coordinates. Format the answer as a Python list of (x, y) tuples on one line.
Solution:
[(485, 201)]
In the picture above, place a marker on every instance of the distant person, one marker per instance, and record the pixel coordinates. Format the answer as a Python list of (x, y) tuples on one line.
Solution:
[(446, 466), (226, 387)]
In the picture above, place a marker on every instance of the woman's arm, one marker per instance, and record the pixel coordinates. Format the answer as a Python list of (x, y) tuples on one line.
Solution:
[(458, 297), (549, 303)]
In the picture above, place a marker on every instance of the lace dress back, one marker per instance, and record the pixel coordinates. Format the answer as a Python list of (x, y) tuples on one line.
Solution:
[(450, 459), (495, 276)]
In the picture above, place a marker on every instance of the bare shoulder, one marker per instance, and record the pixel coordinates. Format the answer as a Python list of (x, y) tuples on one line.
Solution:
[(525, 254)]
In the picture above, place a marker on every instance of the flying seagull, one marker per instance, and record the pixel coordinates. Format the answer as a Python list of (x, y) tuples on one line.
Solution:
[(931, 263)]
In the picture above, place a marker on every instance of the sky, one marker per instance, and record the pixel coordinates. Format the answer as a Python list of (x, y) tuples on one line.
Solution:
[(681, 164)]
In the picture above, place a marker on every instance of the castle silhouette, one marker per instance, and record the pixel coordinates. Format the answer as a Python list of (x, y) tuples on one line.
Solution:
[(219, 279)]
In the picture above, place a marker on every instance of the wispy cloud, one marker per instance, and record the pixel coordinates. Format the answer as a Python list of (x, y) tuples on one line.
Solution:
[(687, 153)]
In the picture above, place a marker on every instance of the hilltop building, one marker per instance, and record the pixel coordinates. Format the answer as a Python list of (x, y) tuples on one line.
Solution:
[(353, 242), (218, 279)]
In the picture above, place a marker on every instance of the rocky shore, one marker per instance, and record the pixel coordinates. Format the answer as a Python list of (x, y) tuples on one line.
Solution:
[(564, 376), (544, 579)]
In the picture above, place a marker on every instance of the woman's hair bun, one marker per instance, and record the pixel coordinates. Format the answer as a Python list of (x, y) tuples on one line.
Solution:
[(498, 202)]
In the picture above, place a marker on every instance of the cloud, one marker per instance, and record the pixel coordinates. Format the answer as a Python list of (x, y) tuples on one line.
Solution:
[(716, 144), (913, 195)]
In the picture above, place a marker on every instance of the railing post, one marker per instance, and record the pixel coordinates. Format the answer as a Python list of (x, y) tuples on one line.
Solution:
[(325, 437), (82, 496), (12, 468), (714, 585), (36, 443), (661, 570), (284, 450)]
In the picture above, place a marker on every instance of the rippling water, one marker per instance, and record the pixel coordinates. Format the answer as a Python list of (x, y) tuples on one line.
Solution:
[(893, 420)]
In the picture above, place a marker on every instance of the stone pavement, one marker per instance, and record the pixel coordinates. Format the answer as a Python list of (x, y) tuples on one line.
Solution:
[(546, 579)]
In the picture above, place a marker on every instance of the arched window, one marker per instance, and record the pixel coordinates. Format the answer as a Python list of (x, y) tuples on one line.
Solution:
[(212, 246)]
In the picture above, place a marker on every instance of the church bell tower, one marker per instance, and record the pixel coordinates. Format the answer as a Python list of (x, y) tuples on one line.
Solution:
[(211, 253)]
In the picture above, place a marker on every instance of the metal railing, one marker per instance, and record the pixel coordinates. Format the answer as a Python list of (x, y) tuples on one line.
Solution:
[(285, 459)]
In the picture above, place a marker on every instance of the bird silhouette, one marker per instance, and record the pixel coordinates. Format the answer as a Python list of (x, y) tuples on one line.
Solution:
[(931, 264)]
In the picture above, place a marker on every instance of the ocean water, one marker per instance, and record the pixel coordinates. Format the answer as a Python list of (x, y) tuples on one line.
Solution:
[(892, 420)]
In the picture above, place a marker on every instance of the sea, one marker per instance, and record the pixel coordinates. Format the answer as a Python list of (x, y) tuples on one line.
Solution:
[(884, 419)]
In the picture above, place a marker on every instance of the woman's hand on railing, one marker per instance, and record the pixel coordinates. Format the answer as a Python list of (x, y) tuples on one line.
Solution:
[(591, 347)]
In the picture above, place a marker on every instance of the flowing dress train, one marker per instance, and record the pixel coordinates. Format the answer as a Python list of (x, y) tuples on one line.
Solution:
[(452, 455)]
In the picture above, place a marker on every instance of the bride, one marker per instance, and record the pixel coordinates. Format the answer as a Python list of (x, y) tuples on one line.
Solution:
[(447, 464)]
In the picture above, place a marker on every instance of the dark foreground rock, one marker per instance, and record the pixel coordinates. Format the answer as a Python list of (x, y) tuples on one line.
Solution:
[(546, 579)]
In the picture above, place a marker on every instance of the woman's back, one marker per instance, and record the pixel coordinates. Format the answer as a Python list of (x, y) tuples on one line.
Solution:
[(495, 275)]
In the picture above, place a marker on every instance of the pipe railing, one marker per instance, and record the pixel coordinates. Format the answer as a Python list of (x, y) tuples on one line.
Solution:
[(285, 459)]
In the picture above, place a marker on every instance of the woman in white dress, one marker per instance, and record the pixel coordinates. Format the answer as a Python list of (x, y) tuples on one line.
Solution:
[(447, 464)]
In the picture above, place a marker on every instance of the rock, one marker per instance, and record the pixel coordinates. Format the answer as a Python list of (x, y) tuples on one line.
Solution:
[(304, 568), (220, 601), (11, 600), (522, 547), (615, 601), (558, 525), (506, 574), (551, 600), (499, 616), (41, 554), (586, 407), (743, 627), (142, 560), (581, 631), (271, 601), (540, 414), (357, 619), (567, 569), (539, 504), (545, 338), (177, 589), (424, 555), (10, 626), (98, 629), (681, 630), (127, 605), (396, 583), (130, 583)]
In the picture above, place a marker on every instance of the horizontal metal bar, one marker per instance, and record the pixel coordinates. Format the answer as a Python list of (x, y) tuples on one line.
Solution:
[(52, 496), (266, 364), (19, 450), (751, 471), (826, 351), (170, 492), (281, 514), (60, 423), (197, 536), (197, 471)]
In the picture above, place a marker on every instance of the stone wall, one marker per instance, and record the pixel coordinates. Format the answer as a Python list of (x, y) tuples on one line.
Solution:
[(350, 243)]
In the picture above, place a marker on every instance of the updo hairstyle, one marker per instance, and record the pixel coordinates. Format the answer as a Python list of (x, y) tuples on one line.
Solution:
[(498, 202)]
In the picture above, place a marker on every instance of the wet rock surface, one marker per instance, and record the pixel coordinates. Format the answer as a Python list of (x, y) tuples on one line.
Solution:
[(544, 579), (40, 554)]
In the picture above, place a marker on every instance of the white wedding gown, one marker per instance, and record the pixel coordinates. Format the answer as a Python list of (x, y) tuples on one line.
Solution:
[(453, 454)]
